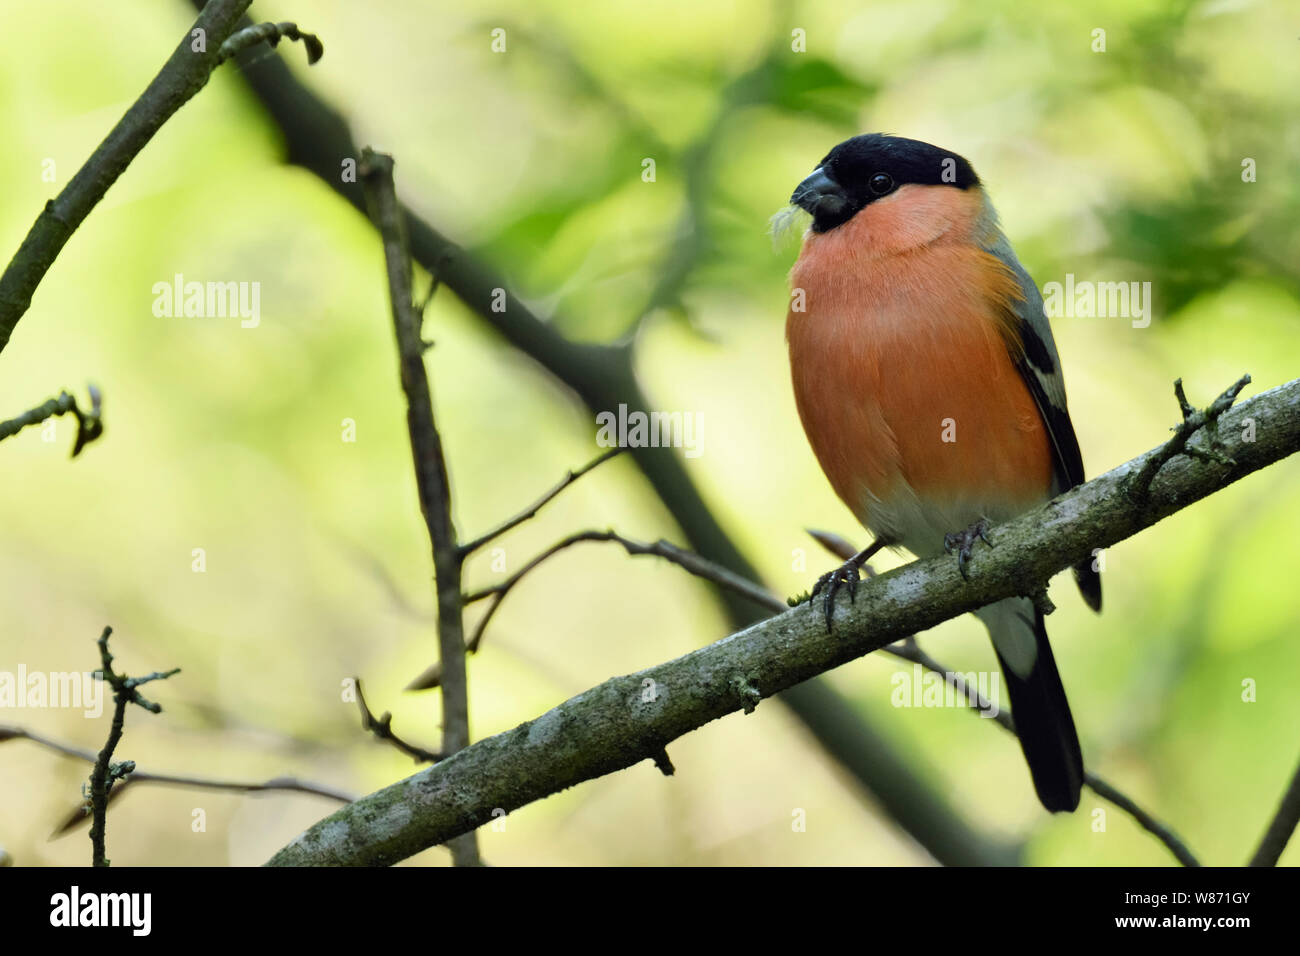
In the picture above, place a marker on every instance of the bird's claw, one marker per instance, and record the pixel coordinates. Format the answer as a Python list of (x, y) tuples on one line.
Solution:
[(962, 543), (848, 573)]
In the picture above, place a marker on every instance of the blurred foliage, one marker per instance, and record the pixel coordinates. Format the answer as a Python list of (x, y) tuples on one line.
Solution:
[(1122, 165)]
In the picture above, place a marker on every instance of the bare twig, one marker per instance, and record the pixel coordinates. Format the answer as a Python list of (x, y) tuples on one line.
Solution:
[(137, 776), (382, 727), (183, 75), (273, 33), (837, 545), (1156, 828), (663, 549), (90, 424), (376, 174), (664, 763), (424, 304), (536, 506), (105, 772), (1193, 421), (430, 677), (1279, 831)]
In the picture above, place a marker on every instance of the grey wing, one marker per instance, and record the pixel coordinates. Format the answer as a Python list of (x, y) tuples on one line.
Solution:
[(1040, 367)]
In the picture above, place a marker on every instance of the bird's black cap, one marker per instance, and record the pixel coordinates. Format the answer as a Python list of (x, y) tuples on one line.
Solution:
[(865, 168)]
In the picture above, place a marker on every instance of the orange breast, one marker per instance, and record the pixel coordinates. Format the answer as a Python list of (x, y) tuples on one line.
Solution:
[(901, 368)]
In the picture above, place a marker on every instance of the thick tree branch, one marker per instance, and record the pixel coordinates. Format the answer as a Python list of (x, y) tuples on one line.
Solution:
[(632, 718), (376, 172), (317, 138), (183, 75)]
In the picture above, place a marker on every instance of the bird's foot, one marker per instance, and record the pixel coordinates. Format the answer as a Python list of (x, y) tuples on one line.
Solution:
[(847, 573), (962, 543)]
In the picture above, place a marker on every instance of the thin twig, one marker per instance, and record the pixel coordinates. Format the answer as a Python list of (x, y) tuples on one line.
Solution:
[(382, 727), (423, 306), (1193, 421), (536, 506), (1159, 830), (105, 772), (181, 77), (663, 549), (90, 425), (273, 33), (664, 763), (79, 817), (1279, 831), (431, 676), (376, 174)]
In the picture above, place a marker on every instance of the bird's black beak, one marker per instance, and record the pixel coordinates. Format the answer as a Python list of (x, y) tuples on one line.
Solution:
[(819, 193)]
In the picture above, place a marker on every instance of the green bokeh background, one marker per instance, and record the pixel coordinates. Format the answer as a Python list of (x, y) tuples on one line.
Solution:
[(1116, 165)]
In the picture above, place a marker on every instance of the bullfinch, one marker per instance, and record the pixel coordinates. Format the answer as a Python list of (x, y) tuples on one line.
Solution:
[(930, 389)]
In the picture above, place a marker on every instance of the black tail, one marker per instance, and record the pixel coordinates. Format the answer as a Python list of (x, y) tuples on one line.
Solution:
[(1044, 725)]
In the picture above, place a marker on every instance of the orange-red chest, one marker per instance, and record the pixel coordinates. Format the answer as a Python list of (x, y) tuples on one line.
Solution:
[(901, 369)]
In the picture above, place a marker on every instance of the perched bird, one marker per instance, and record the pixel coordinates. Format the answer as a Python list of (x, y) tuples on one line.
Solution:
[(931, 392)]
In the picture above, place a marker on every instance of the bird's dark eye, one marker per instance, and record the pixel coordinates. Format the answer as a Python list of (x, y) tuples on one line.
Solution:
[(881, 183)]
